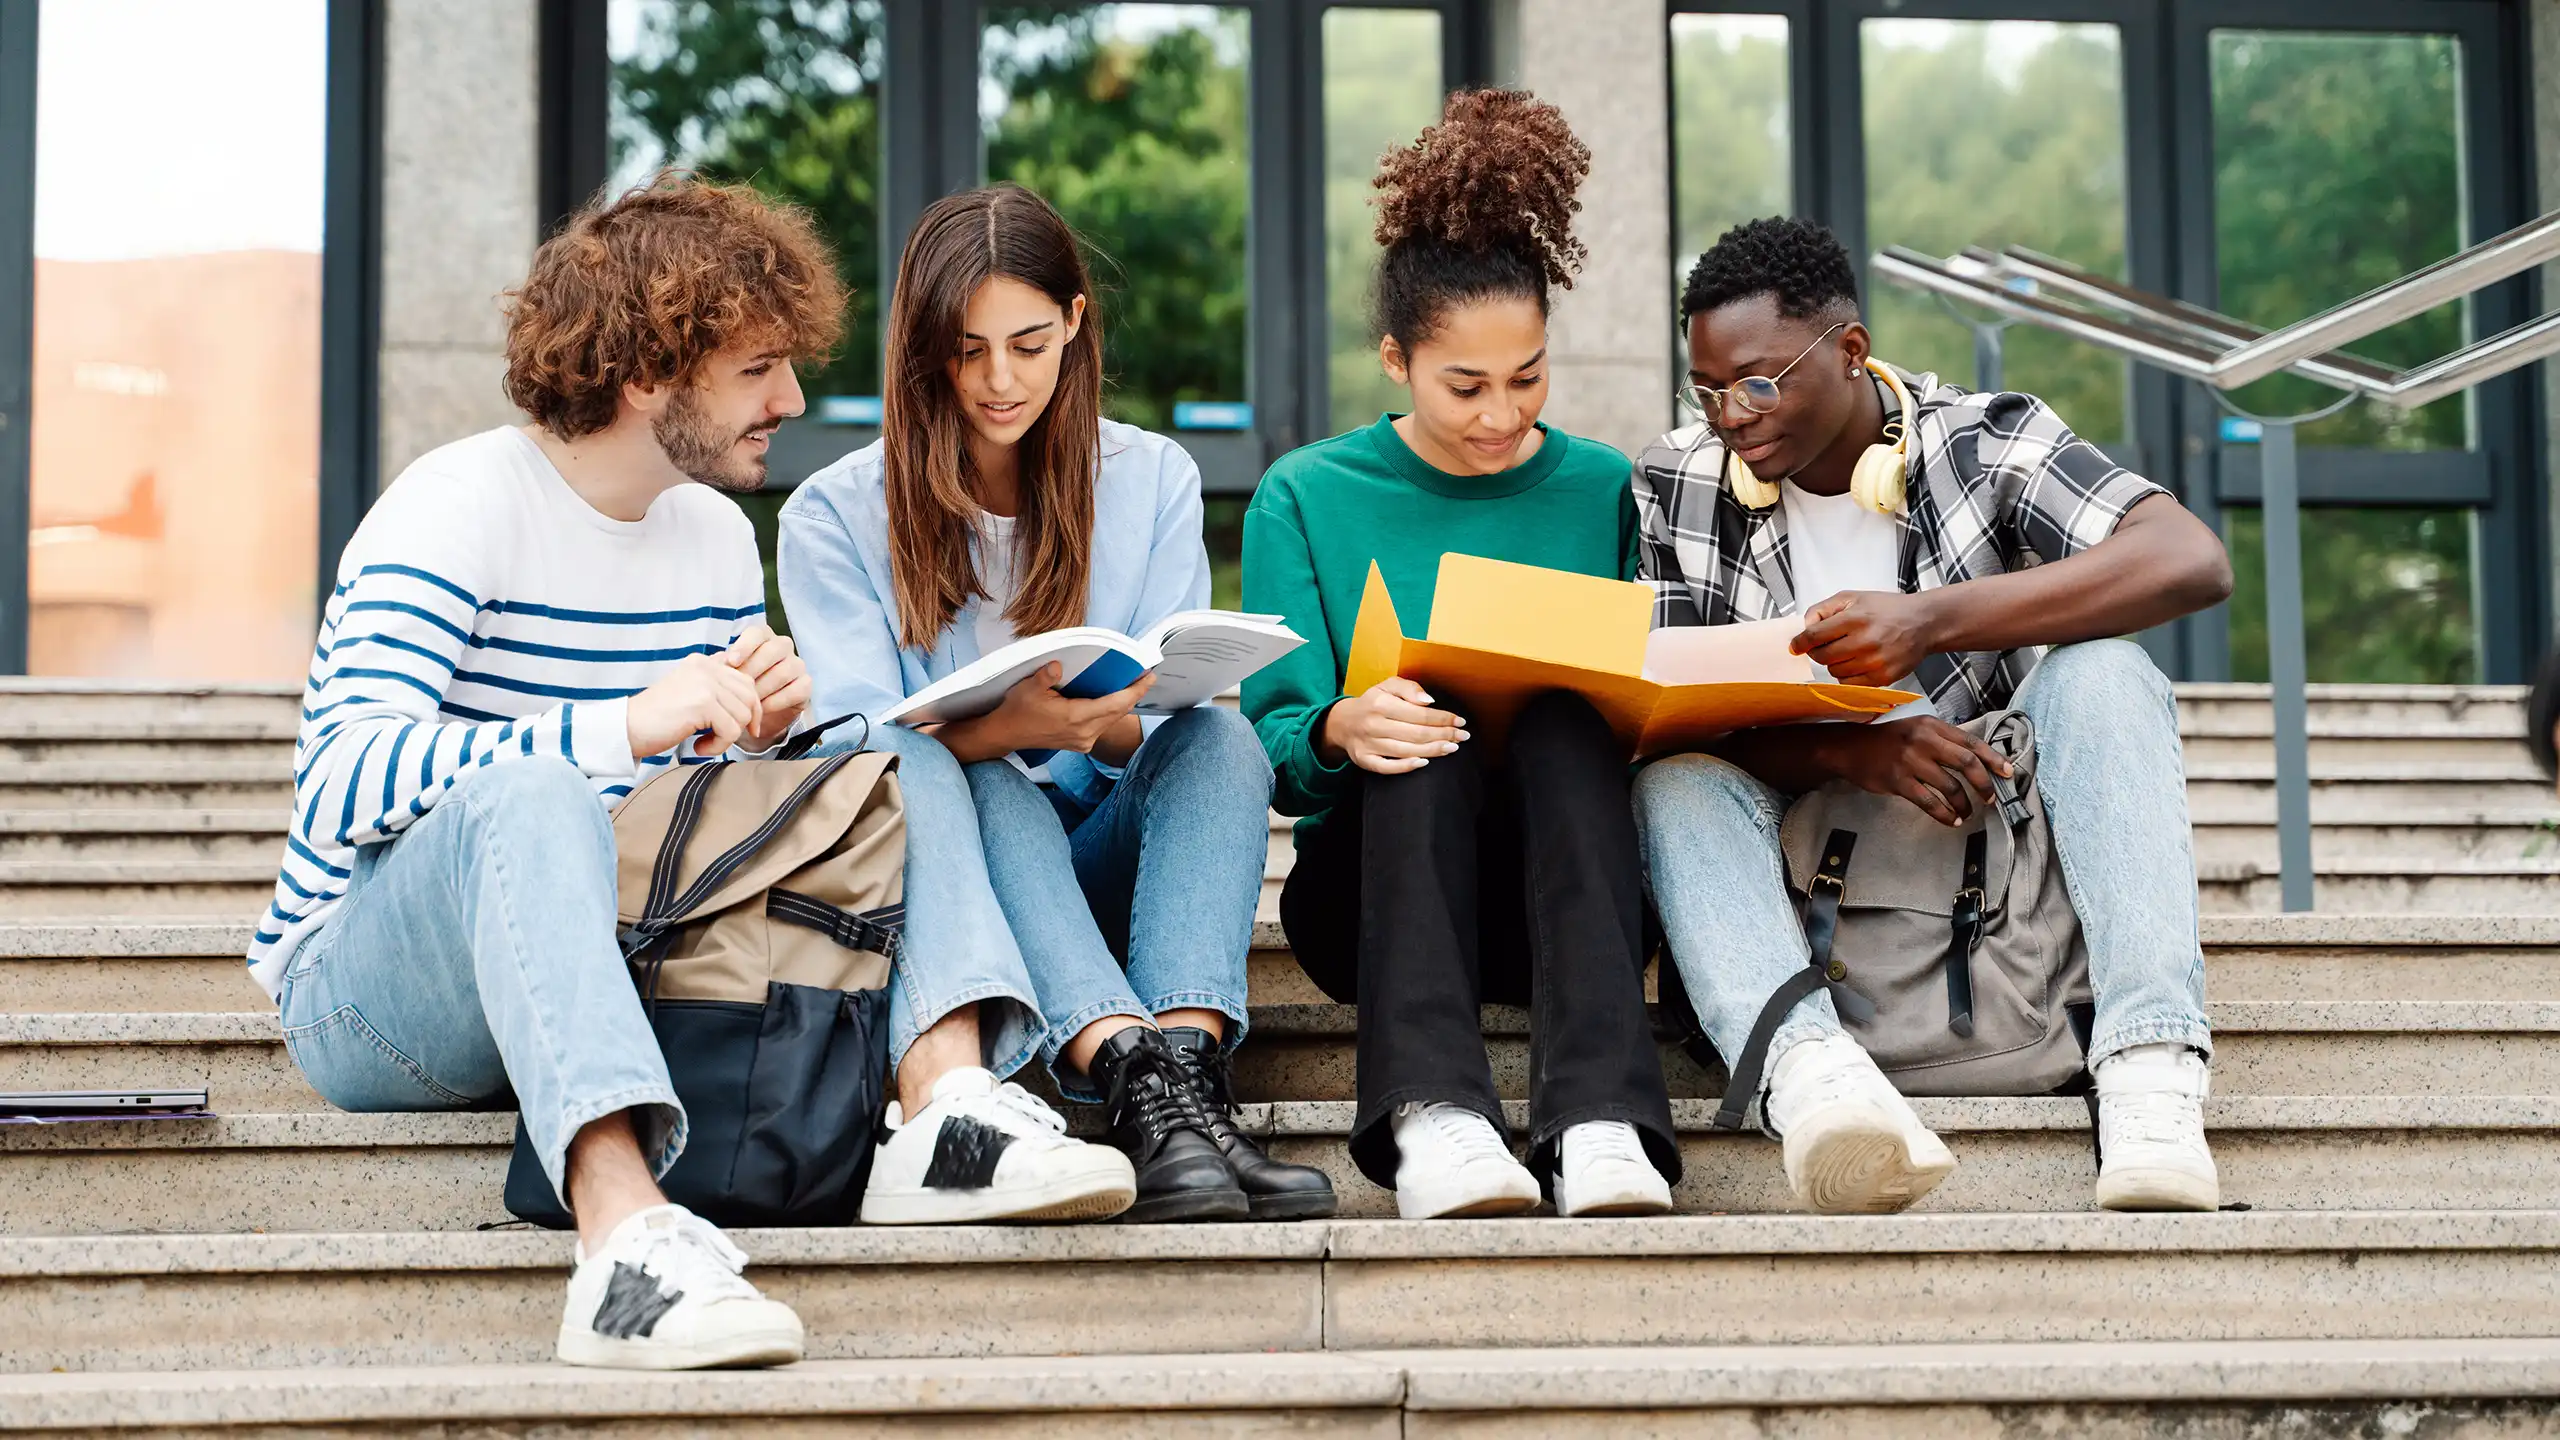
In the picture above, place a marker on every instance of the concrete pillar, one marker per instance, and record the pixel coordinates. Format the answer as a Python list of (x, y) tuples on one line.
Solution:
[(1604, 63), (2543, 21), (459, 213)]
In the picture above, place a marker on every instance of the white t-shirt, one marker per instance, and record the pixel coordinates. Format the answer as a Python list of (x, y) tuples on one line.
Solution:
[(1836, 544), (995, 572)]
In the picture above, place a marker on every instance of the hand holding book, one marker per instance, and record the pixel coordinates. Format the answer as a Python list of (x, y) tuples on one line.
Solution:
[(1390, 728), (1038, 717)]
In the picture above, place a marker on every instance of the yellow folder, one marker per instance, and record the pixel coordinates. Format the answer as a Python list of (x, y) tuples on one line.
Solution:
[(1502, 633)]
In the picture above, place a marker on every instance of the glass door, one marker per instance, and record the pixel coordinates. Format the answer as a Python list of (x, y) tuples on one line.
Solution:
[(2337, 148), (174, 493)]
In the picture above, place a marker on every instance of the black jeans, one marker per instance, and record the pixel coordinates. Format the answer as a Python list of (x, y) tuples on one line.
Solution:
[(1427, 894)]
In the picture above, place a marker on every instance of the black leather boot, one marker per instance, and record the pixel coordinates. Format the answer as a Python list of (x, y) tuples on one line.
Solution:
[(1160, 1122), (1276, 1191)]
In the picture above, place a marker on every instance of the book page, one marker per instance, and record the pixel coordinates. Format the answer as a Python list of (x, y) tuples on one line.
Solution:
[(1208, 652), (1754, 652)]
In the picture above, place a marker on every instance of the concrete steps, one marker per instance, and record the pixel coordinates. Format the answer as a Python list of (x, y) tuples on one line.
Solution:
[(327, 1172), (2387, 1102), (195, 965), (1862, 1392), (226, 1301), (1304, 1051)]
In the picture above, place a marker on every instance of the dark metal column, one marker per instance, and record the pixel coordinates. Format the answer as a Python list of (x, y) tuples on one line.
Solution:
[(17, 315), (576, 100), (930, 144), (2288, 666), (350, 280)]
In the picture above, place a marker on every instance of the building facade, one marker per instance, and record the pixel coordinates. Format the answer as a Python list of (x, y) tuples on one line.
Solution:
[(252, 255)]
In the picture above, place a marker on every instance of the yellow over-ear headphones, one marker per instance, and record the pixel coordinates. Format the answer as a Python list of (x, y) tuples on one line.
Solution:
[(1877, 480)]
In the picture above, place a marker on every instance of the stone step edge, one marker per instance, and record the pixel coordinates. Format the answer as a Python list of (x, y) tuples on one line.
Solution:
[(215, 937), (1325, 1021), (2085, 1232), (261, 873), (1331, 1119), (1613, 1378)]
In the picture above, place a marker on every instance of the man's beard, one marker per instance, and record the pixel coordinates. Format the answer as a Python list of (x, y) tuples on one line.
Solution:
[(703, 448)]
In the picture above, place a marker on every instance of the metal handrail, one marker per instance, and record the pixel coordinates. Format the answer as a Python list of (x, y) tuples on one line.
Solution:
[(2196, 344), (2416, 293), (2211, 327), (2226, 353)]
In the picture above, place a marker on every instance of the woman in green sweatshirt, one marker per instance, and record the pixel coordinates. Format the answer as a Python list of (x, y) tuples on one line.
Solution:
[(1429, 881)]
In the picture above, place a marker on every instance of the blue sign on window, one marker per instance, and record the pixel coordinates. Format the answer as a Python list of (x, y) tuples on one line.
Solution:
[(849, 409), (1212, 415), (2240, 430)]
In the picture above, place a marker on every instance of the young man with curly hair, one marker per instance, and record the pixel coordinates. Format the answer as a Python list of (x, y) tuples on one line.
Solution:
[(1999, 534), (528, 624)]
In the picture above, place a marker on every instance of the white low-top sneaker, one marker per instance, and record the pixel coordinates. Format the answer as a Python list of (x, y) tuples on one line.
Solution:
[(1451, 1164), (2151, 1148), (983, 1150), (663, 1293), (1601, 1169), (1853, 1147)]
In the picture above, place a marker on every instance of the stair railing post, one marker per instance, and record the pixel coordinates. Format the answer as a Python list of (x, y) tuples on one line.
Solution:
[(2288, 667)]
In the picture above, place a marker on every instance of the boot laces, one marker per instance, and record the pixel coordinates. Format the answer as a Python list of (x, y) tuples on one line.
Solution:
[(1214, 1085), (1159, 1096)]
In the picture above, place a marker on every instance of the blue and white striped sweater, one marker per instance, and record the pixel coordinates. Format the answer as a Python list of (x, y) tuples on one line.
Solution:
[(485, 614)]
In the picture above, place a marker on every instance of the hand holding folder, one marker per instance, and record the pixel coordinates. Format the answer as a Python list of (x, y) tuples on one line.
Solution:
[(1502, 633)]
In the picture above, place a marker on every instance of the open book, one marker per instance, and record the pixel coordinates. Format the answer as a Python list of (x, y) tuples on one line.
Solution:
[(1503, 633), (1195, 655)]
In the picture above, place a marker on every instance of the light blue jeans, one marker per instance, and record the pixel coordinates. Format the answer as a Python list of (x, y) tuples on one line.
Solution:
[(475, 954), (2114, 787), (1015, 888)]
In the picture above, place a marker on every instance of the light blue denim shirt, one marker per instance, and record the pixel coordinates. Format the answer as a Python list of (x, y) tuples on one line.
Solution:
[(1148, 563)]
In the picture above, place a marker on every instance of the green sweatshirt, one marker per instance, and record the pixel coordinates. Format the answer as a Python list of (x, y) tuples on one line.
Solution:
[(1326, 510)]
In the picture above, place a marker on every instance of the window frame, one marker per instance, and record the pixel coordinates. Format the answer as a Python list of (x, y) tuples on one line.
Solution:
[(931, 147), (2173, 425), (350, 294)]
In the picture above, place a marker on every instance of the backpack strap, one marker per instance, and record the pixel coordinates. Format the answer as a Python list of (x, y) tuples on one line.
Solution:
[(1821, 927), (877, 931), (799, 746), (662, 913), (1965, 935)]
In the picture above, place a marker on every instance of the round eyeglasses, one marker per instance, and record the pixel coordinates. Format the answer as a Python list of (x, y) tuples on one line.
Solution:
[(1755, 393)]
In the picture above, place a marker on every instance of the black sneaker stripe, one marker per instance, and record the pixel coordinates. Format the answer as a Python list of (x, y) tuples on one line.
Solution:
[(965, 1154), (633, 1303)]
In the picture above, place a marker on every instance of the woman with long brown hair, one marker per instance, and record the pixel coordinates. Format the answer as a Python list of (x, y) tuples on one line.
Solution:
[(1112, 859)]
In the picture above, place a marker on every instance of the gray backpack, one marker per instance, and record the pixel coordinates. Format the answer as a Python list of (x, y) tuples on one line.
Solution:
[(1953, 955)]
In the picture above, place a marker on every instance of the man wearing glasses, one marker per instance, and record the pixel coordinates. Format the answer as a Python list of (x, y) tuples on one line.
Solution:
[(1941, 551)]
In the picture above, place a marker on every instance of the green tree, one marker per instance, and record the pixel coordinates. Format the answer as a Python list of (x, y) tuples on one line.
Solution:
[(1998, 133), (1381, 88), (1140, 143), (2338, 168), (785, 95)]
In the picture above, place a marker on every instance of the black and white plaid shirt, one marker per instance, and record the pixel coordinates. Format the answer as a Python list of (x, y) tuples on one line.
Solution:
[(1997, 483)]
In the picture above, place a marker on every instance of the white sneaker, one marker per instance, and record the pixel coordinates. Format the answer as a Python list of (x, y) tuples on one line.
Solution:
[(2151, 1147), (663, 1293), (1601, 1169), (980, 1150), (1451, 1164), (1853, 1147)]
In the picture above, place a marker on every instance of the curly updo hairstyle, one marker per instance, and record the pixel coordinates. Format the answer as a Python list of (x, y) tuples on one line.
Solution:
[(1478, 206)]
